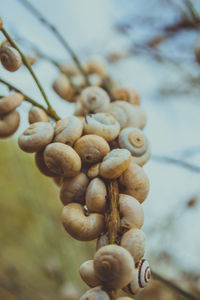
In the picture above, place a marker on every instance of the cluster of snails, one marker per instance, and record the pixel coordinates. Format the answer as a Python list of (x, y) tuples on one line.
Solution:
[(101, 143)]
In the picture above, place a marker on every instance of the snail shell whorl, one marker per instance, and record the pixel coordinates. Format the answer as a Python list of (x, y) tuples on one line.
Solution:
[(9, 123), (95, 197), (7, 104), (95, 294), (114, 266), (10, 58), (87, 273), (40, 163)]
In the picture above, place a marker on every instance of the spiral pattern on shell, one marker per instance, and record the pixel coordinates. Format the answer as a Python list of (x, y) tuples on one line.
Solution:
[(144, 273), (10, 58)]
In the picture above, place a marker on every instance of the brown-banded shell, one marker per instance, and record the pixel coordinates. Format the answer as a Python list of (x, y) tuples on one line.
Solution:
[(9, 123), (128, 95), (95, 197), (91, 148), (36, 137), (10, 58), (73, 189), (37, 114), (81, 226), (115, 163), (9, 103), (62, 159), (88, 275), (95, 294)]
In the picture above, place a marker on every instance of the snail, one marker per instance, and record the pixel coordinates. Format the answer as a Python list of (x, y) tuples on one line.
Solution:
[(118, 113), (36, 137), (96, 196), (136, 142), (68, 130), (115, 163), (131, 211), (94, 99), (31, 59), (102, 240), (81, 226), (93, 171), (62, 159), (134, 241), (91, 148), (73, 189), (40, 163), (37, 114), (140, 278), (69, 69), (96, 293), (10, 58), (79, 81), (102, 124), (9, 123), (88, 275), (135, 182), (114, 266), (63, 88), (96, 66), (95, 80), (9, 103), (69, 291), (128, 95), (78, 110)]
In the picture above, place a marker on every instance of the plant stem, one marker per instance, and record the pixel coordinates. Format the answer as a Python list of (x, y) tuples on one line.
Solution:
[(28, 66), (58, 35), (174, 287), (52, 114)]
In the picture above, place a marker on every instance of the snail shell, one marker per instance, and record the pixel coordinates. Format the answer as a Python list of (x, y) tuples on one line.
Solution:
[(95, 294), (9, 103), (69, 69), (68, 130), (10, 58), (91, 148), (40, 163), (88, 274), (94, 99), (9, 123), (93, 171), (131, 211), (136, 142), (37, 114), (102, 124), (73, 189), (63, 88), (80, 226), (95, 80), (96, 196), (140, 278), (62, 159), (114, 266), (69, 291), (135, 182), (128, 95), (78, 110), (134, 241), (118, 113), (36, 137), (115, 163), (96, 66)]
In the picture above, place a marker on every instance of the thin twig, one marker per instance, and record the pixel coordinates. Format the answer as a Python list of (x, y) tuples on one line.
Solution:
[(178, 162), (29, 99), (58, 35), (174, 287)]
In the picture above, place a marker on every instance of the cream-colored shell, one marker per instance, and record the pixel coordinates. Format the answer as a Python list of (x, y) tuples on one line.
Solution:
[(131, 211), (69, 69), (95, 294), (134, 241), (128, 95), (9, 123), (73, 189), (88, 275), (136, 142), (40, 163), (96, 66), (36, 137), (9, 103), (102, 124), (37, 114), (114, 266), (93, 171), (63, 88), (95, 197), (78, 110), (62, 159), (94, 99), (80, 226), (118, 113), (115, 163), (91, 148), (95, 80), (68, 130), (140, 278), (135, 182), (10, 58)]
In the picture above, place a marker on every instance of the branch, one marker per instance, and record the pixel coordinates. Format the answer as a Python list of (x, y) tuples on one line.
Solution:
[(58, 35), (29, 99), (173, 286), (178, 162)]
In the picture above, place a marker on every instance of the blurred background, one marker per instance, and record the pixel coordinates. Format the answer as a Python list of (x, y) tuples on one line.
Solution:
[(154, 47)]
